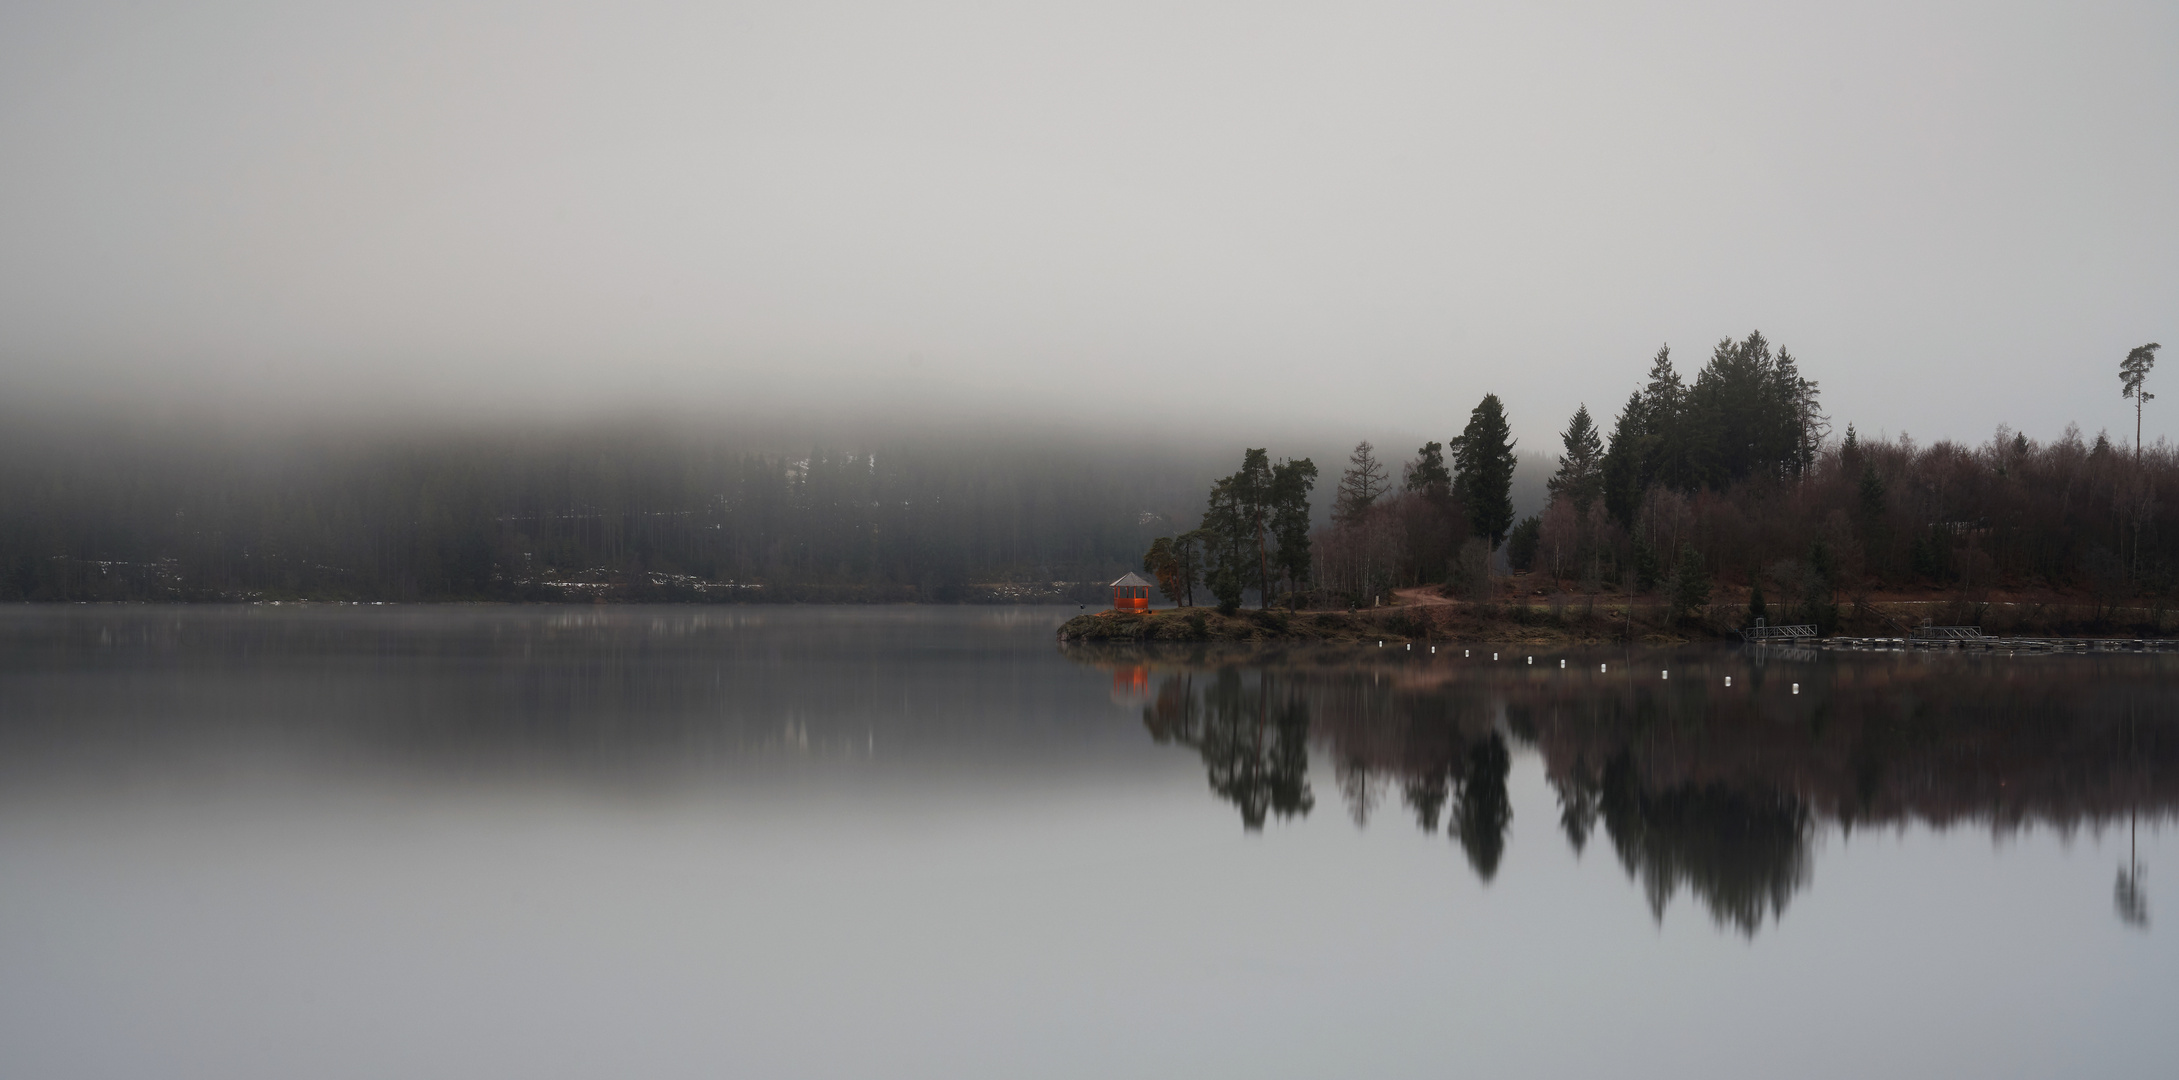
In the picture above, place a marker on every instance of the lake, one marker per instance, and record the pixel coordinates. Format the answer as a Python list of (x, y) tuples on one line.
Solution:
[(914, 841)]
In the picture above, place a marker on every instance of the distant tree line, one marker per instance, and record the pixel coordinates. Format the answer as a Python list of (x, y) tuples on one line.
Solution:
[(1731, 479), (567, 514)]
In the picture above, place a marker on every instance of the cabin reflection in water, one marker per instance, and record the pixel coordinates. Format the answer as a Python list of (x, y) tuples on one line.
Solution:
[(1718, 792)]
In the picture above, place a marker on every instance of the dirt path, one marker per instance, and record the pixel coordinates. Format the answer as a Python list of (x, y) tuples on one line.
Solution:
[(1421, 596)]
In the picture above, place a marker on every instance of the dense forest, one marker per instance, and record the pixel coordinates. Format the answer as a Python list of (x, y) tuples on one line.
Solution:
[(1736, 478)]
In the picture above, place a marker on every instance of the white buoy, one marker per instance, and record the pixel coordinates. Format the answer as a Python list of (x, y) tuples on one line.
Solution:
[(1664, 674), (1380, 644), (1410, 646), (1603, 667), (1463, 654), (1728, 680), (1494, 656), (1796, 688), (1433, 650), (1531, 661), (1562, 665)]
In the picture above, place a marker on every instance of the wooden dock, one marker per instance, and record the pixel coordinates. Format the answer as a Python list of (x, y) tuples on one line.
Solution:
[(1957, 638), (1983, 643)]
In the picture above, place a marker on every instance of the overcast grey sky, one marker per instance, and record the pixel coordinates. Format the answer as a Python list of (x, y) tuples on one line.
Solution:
[(1354, 215)]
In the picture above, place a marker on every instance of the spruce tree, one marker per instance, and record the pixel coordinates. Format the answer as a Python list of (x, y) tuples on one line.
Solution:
[(1225, 532), (1252, 496), (1522, 542), (1751, 413), (1623, 473), (1669, 429), (1290, 485), (1581, 468), (1875, 519), (1484, 453)]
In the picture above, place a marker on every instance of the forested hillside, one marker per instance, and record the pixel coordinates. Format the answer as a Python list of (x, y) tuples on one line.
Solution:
[(632, 512)]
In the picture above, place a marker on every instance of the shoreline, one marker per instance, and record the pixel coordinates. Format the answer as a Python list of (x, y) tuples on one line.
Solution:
[(1594, 623)]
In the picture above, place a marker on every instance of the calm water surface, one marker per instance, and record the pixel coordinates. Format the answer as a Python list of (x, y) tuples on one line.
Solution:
[(533, 842)]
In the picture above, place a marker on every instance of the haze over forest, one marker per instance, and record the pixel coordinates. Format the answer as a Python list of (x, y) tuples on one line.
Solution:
[(317, 274)]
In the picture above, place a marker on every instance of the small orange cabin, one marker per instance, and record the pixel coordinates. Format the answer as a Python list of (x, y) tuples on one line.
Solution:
[(1131, 593)]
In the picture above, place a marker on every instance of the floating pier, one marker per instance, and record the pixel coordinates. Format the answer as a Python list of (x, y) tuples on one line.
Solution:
[(1984, 643)]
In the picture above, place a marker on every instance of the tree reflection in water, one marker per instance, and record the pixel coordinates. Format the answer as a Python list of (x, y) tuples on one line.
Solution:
[(1718, 792), (1742, 852), (2130, 895), (1483, 811), (1253, 739)]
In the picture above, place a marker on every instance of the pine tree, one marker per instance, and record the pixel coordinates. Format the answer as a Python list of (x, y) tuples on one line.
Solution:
[(1427, 474), (2132, 372), (1188, 550), (1225, 531), (1360, 486), (1522, 542), (1751, 414), (1623, 471), (1581, 468), (1291, 482), (1669, 450), (1484, 484), (1875, 519), (1252, 496)]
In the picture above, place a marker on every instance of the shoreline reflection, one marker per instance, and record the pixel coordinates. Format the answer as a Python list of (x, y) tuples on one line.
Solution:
[(1717, 791)]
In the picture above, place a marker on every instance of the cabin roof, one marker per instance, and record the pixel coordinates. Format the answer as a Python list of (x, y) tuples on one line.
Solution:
[(1129, 581)]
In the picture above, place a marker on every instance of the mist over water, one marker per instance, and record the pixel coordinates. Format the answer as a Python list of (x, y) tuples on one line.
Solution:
[(532, 537), (918, 841)]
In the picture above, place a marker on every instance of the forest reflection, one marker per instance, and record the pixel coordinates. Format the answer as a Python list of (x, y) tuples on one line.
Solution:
[(1719, 790)]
